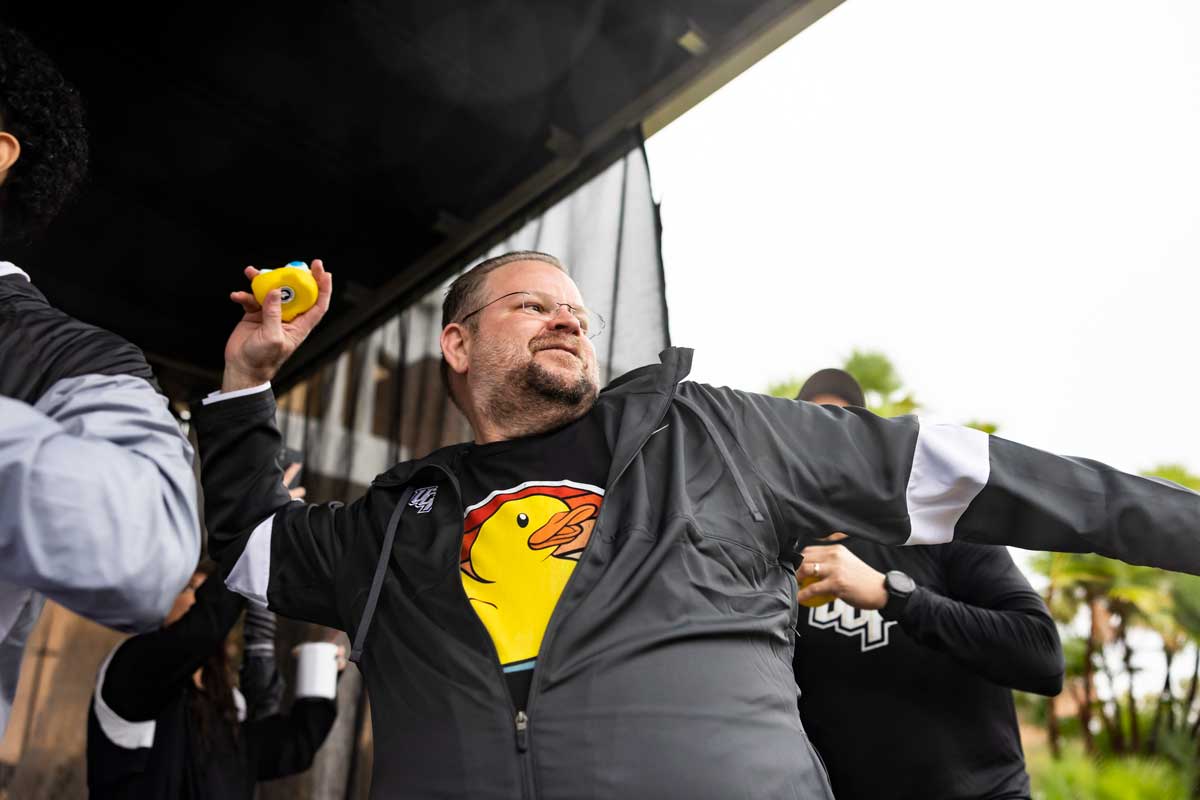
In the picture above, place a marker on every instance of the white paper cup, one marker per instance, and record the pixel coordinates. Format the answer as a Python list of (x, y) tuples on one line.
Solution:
[(316, 670)]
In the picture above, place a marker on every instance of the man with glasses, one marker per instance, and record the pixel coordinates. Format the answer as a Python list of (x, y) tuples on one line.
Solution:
[(596, 598)]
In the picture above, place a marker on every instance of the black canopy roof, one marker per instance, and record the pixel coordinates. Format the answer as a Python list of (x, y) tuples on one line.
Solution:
[(395, 140)]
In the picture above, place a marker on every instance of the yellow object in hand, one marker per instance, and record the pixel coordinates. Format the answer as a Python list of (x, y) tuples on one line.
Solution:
[(818, 600), (296, 285)]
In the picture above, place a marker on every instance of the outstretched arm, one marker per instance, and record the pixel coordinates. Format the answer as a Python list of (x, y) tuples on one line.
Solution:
[(910, 481), (98, 499)]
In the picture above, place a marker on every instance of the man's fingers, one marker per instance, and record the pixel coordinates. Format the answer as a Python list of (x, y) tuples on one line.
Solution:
[(834, 537), (298, 493), (272, 320), (246, 301), (822, 552), (290, 473), (816, 568), (303, 324), (324, 280), (251, 273)]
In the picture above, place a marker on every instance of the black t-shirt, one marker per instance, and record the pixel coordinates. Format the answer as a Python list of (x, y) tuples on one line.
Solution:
[(529, 508), (895, 718)]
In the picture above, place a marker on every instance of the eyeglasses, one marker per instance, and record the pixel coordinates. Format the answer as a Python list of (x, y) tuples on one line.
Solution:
[(545, 308)]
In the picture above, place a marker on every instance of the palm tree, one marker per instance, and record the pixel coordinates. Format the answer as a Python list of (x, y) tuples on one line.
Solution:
[(1081, 582)]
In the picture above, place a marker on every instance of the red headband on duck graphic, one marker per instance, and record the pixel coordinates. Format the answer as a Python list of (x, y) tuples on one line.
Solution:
[(566, 531)]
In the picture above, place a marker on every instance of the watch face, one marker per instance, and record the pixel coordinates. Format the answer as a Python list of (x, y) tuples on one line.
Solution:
[(900, 583)]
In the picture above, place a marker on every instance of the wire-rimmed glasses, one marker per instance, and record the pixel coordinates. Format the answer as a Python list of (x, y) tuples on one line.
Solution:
[(545, 307)]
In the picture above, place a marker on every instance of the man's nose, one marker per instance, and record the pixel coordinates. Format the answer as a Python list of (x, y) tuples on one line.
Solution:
[(564, 320)]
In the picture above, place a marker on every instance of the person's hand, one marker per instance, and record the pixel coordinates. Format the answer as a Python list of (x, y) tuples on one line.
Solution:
[(262, 341), (842, 574), (290, 473)]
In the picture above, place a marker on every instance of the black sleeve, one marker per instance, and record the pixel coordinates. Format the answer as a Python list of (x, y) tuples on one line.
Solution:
[(259, 678), (278, 551), (243, 482), (915, 481), (284, 744), (992, 622), (147, 669)]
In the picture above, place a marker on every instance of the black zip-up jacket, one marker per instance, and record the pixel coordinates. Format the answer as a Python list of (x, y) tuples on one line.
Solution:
[(665, 670)]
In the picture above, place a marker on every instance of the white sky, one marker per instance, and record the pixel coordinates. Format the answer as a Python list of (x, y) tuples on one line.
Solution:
[(1003, 197)]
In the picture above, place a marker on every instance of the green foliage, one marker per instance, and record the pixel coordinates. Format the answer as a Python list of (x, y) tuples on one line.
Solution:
[(881, 384), (1180, 749), (895, 408), (1176, 473), (1031, 708), (1074, 655), (1185, 593), (1076, 777), (786, 389), (874, 372)]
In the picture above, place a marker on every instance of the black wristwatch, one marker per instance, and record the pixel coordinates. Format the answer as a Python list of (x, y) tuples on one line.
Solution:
[(899, 588)]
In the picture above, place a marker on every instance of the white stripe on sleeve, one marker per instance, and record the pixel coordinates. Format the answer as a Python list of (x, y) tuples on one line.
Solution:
[(950, 467), (252, 571), (120, 731), (218, 396)]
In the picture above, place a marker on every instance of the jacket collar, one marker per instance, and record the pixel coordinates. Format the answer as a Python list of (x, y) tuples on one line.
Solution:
[(628, 422), (674, 365)]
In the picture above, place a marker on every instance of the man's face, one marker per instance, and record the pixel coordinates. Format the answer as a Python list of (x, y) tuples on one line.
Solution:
[(517, 355)]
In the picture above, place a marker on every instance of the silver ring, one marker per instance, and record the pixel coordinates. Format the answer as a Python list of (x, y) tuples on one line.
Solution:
[(816, 569)]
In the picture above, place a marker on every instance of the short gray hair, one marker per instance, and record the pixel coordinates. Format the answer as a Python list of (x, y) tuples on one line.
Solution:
[(466, 292)]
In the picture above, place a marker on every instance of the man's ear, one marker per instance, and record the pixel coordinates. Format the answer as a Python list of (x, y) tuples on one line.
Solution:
[(10, 151), (456, 347)]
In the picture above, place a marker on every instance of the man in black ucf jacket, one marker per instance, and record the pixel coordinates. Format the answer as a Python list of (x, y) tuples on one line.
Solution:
[(906, 671), (678, 511)]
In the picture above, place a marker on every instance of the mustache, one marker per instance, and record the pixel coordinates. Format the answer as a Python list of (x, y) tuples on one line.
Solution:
[(548, 342)]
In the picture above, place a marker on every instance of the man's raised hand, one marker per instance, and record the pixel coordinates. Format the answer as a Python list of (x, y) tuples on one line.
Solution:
[(262, 341)]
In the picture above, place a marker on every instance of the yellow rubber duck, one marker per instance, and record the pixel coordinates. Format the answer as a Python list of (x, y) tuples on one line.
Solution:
[(518, 563)]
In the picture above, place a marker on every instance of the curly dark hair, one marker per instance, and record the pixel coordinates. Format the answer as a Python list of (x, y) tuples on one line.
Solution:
[(45, 114)]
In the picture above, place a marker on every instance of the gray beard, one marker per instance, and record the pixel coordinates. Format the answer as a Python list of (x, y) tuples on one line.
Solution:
[(530, 400)]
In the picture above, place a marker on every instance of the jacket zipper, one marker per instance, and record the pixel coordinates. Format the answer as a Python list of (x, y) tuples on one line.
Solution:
[(522, 725), (520, 718), (651, 430)]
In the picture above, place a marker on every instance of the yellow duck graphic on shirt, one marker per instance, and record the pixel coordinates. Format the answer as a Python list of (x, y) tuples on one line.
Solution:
[(519, 549)]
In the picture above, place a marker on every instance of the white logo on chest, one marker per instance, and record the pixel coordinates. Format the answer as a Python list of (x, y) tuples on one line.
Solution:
[(422, 499), (869, 626)]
